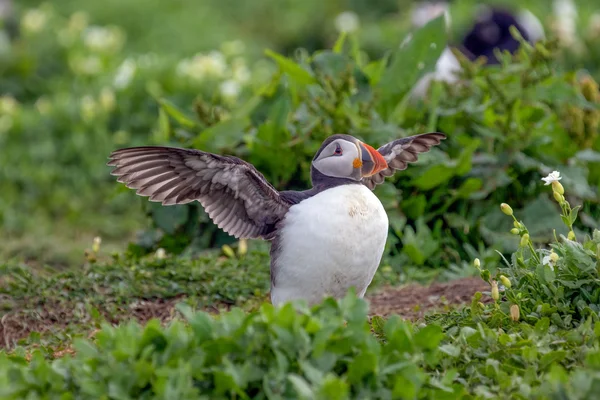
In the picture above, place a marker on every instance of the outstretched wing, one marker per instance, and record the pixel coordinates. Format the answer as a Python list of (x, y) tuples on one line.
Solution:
[(402, 151), (234, 194)]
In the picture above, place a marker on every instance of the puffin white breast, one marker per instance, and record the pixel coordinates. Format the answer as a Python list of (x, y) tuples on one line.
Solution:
[(328, 243)]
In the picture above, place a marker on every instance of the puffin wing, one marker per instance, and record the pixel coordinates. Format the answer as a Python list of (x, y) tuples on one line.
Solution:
[(400, 152), (234, 194)]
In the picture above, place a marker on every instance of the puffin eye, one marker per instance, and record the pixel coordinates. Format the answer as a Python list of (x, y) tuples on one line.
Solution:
[(338, 150)]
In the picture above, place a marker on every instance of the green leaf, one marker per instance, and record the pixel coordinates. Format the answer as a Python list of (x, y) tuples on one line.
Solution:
[(552, 357), (294, 70), (542, 326), (416, 57), (429, 337), (302, 387), (362, 365), (178, 115), (338, 47), (224, 135), (471, 185), (434, 176), (169, 219), (334, 388)]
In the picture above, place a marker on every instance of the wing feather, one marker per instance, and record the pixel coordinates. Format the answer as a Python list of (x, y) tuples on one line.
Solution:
[(401, 152), (234, 194)]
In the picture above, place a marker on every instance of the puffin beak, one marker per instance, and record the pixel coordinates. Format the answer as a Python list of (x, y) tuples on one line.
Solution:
[(372, 160)]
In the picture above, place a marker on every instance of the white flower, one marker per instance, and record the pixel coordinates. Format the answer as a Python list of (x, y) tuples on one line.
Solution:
[(34, 20), (230, 89), (202, 65), (550, 259), (547, 260), (125, 74), (98, 38), (160, 253), (554, 176), (565, 13), (346, 22), (428, 10)]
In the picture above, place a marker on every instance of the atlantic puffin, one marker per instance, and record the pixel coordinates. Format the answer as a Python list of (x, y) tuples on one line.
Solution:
[(324, 240), (490, 31)]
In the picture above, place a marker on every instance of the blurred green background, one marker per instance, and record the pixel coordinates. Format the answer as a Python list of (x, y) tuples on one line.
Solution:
[(81, 78)]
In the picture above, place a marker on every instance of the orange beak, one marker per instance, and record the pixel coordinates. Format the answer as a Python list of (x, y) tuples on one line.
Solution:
[(372, 160)]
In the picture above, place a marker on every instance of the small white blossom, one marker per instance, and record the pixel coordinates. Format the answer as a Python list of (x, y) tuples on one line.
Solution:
[(125, 74), (230, 89), (160, 253), (99, 38), (203, 65), (547, 260), (428, 10), (565, 13), (347, 22), (34, 20), (554, 176)]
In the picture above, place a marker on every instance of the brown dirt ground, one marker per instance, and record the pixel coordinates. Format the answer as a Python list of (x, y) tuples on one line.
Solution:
[(410, 302)]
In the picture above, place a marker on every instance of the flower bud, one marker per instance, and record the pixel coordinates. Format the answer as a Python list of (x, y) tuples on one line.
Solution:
[(571, 235), (228, 251), (524, 240), (96, 244), (514, 312), (557, 187), (554, 257), (242, 247), (477, 263), (505, 281), (495, 292), (558, 197), (514, 231), (506, 209), (517, 224)]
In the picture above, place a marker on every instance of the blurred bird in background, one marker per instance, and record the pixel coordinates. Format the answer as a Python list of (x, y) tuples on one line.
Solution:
[(490, 31)]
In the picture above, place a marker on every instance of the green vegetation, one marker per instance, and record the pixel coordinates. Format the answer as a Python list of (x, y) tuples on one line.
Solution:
[(538, 338)]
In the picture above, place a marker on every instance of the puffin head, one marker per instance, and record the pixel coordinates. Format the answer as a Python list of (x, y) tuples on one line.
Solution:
[(343, 158)]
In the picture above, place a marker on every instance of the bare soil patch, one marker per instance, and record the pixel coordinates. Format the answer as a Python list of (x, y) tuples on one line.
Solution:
[(411, 302)]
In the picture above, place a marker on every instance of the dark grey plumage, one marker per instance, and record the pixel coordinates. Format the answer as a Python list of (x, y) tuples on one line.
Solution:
[(401, 152), (234, 194)]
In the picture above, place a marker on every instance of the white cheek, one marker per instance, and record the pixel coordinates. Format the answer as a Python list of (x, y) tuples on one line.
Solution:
[(337, 167)]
